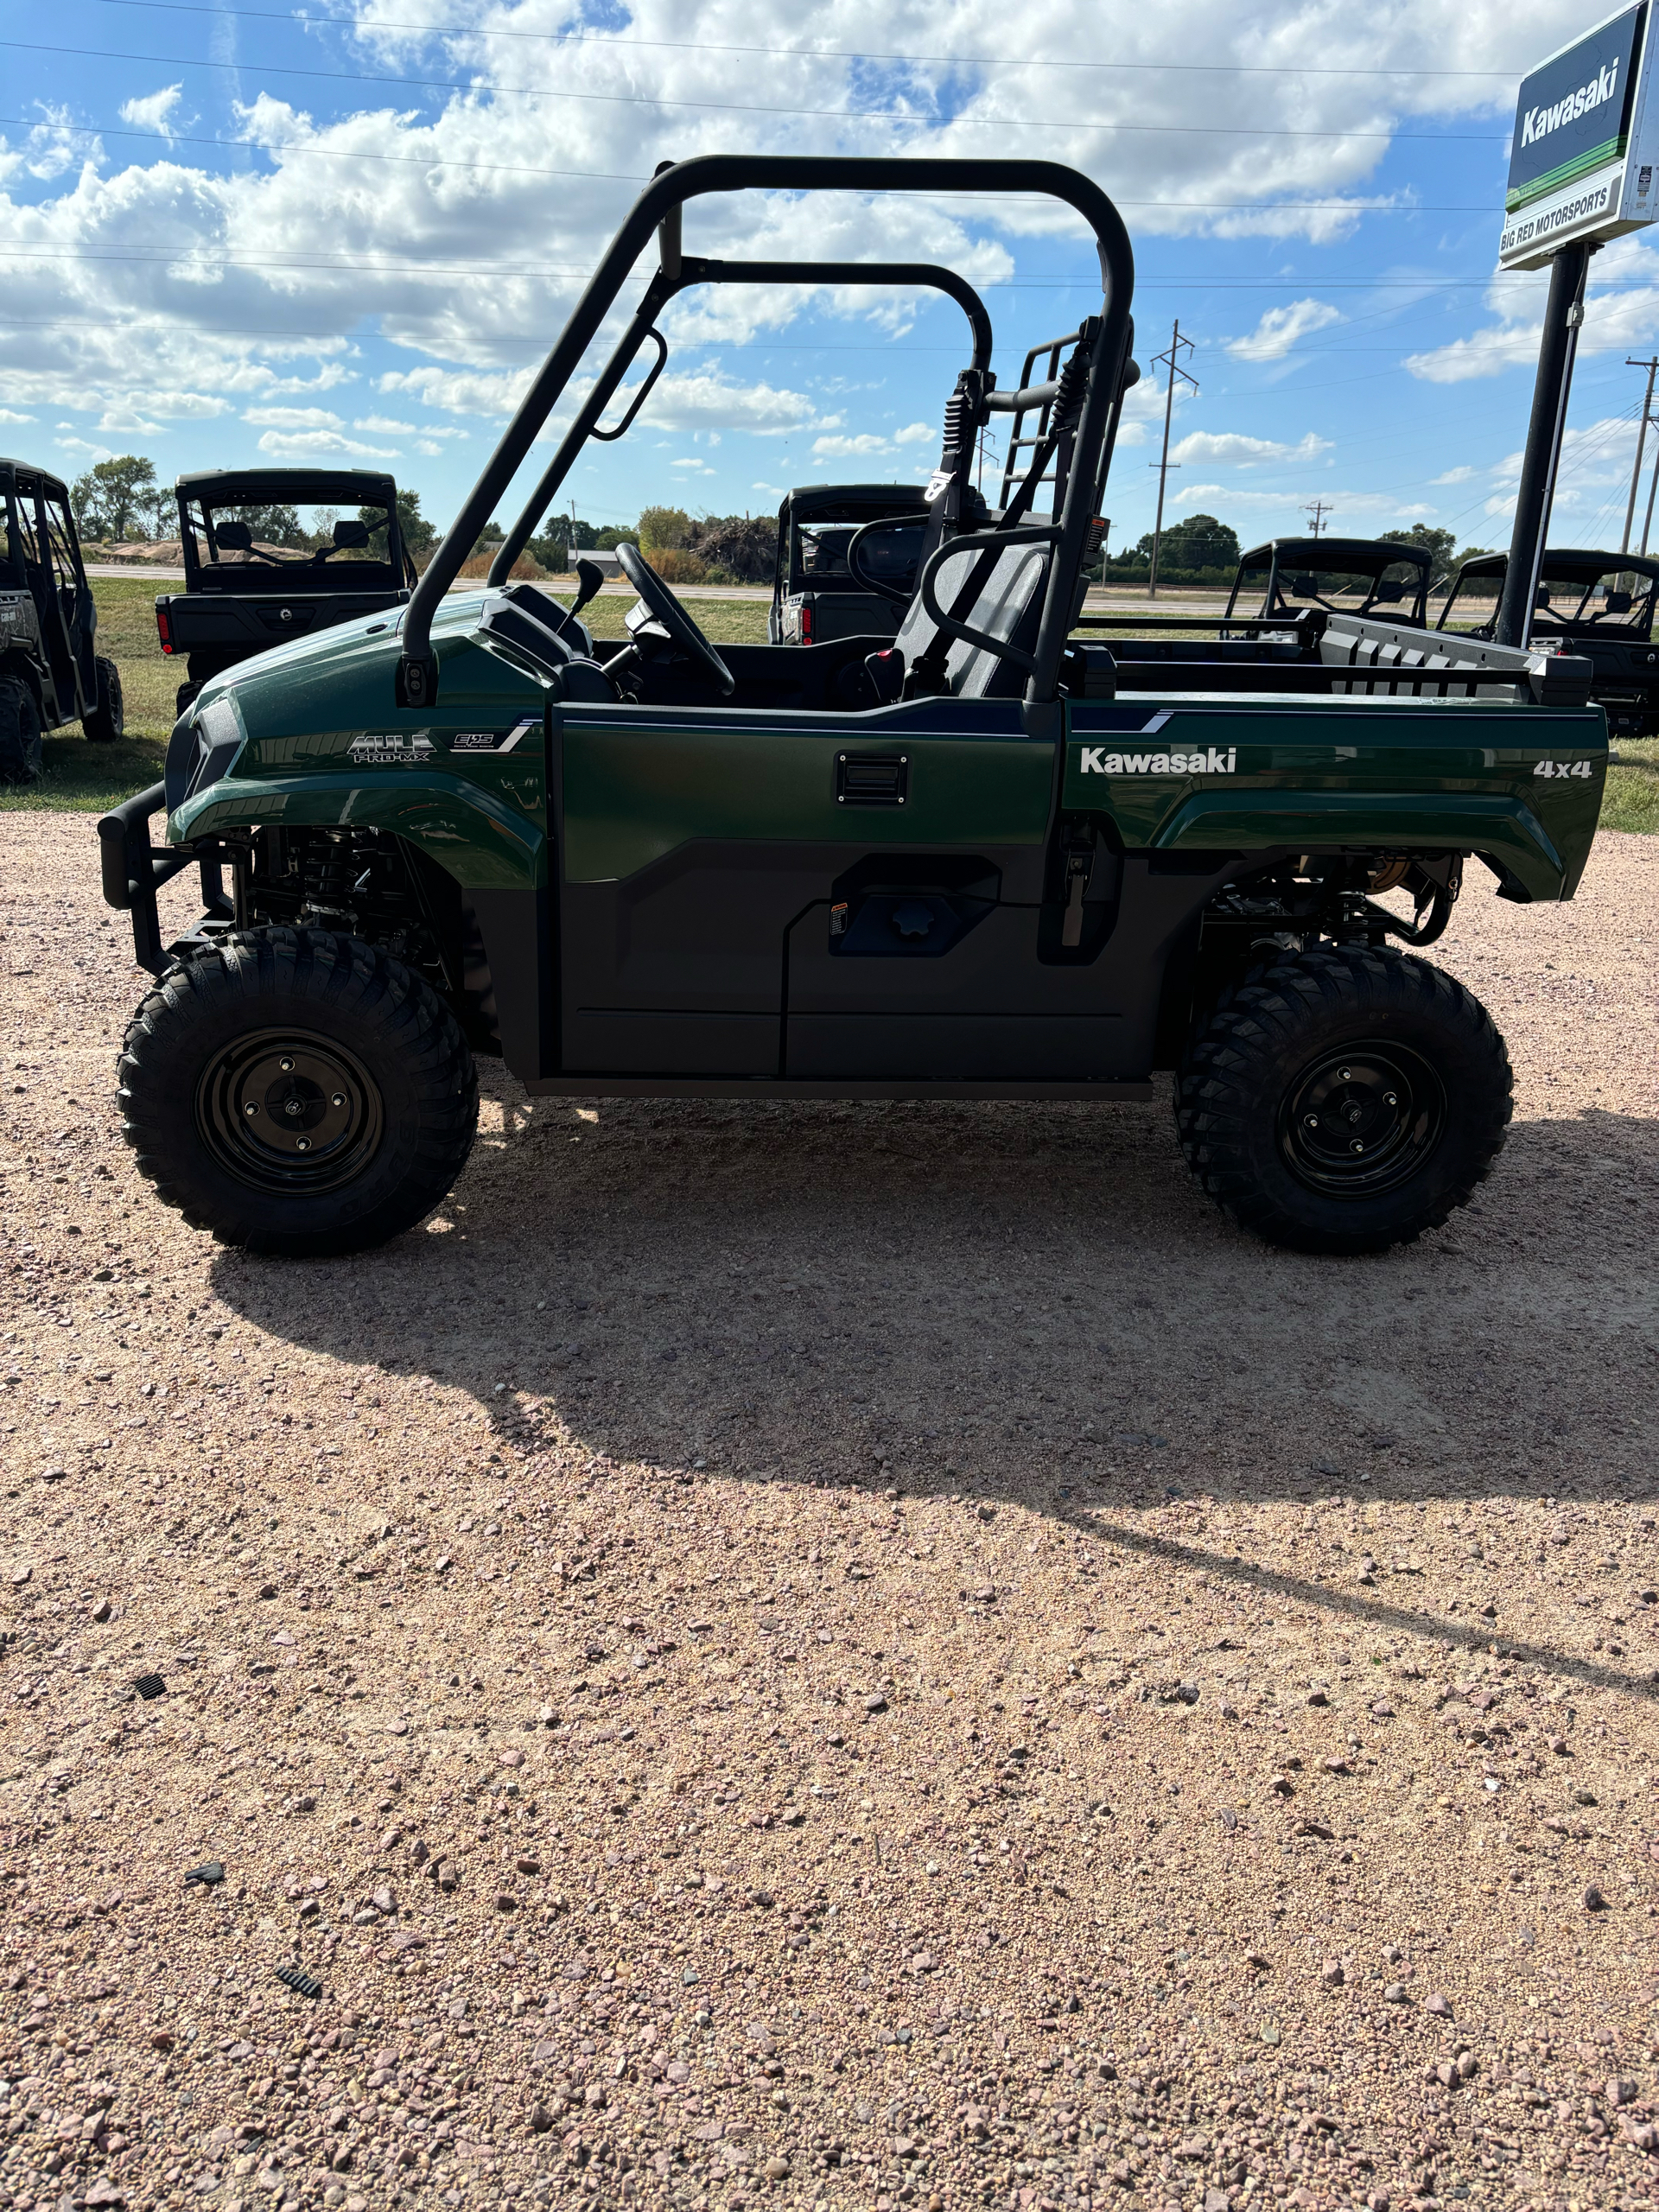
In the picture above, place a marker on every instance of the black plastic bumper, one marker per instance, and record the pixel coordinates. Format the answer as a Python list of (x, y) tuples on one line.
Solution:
[(133, 870)]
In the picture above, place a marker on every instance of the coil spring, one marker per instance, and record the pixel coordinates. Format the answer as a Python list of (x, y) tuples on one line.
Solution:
[(1074, 384)]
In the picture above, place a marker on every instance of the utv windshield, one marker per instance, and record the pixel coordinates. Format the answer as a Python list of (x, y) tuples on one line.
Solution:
[(239, 545), (1620, 601), (1347, 590), (1576, 595), (891, 555)]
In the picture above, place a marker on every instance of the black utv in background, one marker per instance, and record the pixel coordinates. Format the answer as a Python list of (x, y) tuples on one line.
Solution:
[(1598, 605), (817, 598), (254, 576), (49, 673), (1345, 575)]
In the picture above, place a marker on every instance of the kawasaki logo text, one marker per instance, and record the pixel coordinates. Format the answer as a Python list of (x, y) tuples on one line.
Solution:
[(1097, 761), (1538, 122)]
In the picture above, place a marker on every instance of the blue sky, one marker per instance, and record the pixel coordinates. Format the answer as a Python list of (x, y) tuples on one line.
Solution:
[(235, 234)]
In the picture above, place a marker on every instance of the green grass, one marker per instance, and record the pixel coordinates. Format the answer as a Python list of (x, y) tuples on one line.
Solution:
[(1631, 799), (90, 778)]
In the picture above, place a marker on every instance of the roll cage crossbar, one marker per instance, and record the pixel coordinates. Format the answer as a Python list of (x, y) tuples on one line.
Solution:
[(658, 209), (642, 329)]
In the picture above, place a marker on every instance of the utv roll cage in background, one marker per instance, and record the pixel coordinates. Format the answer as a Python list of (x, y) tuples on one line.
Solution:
[(209, 491), (1627, 582), (1294, 573), (1103, 341)]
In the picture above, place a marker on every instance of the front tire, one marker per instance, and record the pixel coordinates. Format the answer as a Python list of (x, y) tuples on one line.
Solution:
[(1343, 1100), (22, 745), (297, 1093), (107, 721)]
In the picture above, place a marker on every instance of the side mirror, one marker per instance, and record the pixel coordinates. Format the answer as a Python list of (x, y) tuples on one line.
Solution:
[(234, 537), (589, 577), (351, 535)]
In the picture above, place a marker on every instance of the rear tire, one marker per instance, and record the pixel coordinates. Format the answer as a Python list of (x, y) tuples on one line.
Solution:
[(107, 721), (1343, 1100), (21, 735), (297, 1093)]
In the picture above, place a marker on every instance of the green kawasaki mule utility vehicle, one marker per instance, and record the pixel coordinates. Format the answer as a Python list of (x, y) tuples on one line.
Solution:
[(978, 860)]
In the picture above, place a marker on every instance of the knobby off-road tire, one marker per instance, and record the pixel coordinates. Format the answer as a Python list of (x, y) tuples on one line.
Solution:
[(107, 722), (21, 733), (297, 1093), (1343, 1100)]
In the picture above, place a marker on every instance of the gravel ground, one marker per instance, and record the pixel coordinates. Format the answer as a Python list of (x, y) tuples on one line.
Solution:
[(849, 1655)]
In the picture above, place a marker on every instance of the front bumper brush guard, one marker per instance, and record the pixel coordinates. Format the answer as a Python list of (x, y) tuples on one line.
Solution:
[(135, 870)]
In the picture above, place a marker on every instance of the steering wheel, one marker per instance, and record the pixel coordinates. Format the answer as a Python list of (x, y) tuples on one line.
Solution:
[(667, 610)]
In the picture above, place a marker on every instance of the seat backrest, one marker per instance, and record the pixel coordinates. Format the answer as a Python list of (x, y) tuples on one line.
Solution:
[(1008, 608)]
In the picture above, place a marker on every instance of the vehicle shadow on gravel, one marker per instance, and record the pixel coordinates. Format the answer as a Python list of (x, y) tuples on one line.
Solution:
[(1009, 1298)]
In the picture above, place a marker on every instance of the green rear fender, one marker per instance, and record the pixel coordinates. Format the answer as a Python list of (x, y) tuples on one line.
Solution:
[(1519, 785)]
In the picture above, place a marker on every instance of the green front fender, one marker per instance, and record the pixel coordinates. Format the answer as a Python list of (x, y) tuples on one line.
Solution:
[(1419, 822), (477, 835)]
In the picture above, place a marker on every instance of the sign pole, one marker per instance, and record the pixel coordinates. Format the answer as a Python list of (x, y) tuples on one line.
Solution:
[(1536, 494)]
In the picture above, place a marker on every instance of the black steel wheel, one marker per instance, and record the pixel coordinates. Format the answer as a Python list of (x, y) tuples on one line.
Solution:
[(289, 1113), (297, 1092), (21, 735), (1343, 1100), (1363, 1119)]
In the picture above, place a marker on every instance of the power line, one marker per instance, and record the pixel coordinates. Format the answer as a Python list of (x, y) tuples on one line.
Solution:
[(170, 138), (803, 52), (753, 107)]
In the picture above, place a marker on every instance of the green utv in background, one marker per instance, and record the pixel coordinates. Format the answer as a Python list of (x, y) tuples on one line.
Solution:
[(50, 671), (984, 858)]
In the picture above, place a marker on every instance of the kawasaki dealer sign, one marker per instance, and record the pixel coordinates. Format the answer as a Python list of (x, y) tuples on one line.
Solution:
[(1585, 161)]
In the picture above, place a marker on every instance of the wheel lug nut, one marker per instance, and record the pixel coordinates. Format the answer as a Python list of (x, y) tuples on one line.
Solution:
[(1311, 1120), (1344, 1074), (287, 1066), (250, 1109), (338, 1099), (1389, 1098), (303, 1144), (1356, 1145)]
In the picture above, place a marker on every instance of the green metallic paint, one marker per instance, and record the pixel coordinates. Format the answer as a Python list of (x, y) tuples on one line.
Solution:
[(481, 815), (1433, 775), (636, 784), (1368, 772)]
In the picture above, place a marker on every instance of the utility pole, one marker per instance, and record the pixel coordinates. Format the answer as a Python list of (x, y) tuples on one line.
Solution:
[(1558, 347), (1171, 360), (1318, 509), (1652, 368)]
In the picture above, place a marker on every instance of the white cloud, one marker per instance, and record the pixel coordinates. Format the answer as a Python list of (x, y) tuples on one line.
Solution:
[(1614, 320), (8, 415), (320, 445), (294, 418), (1282, 328), (1233, 449), (842, 448), (701, 467), (154, 110), (1462, 474), (915, 434), (386, 424)]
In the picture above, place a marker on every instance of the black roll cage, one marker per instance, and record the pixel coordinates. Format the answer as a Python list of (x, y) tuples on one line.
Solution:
[(658, 209)]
